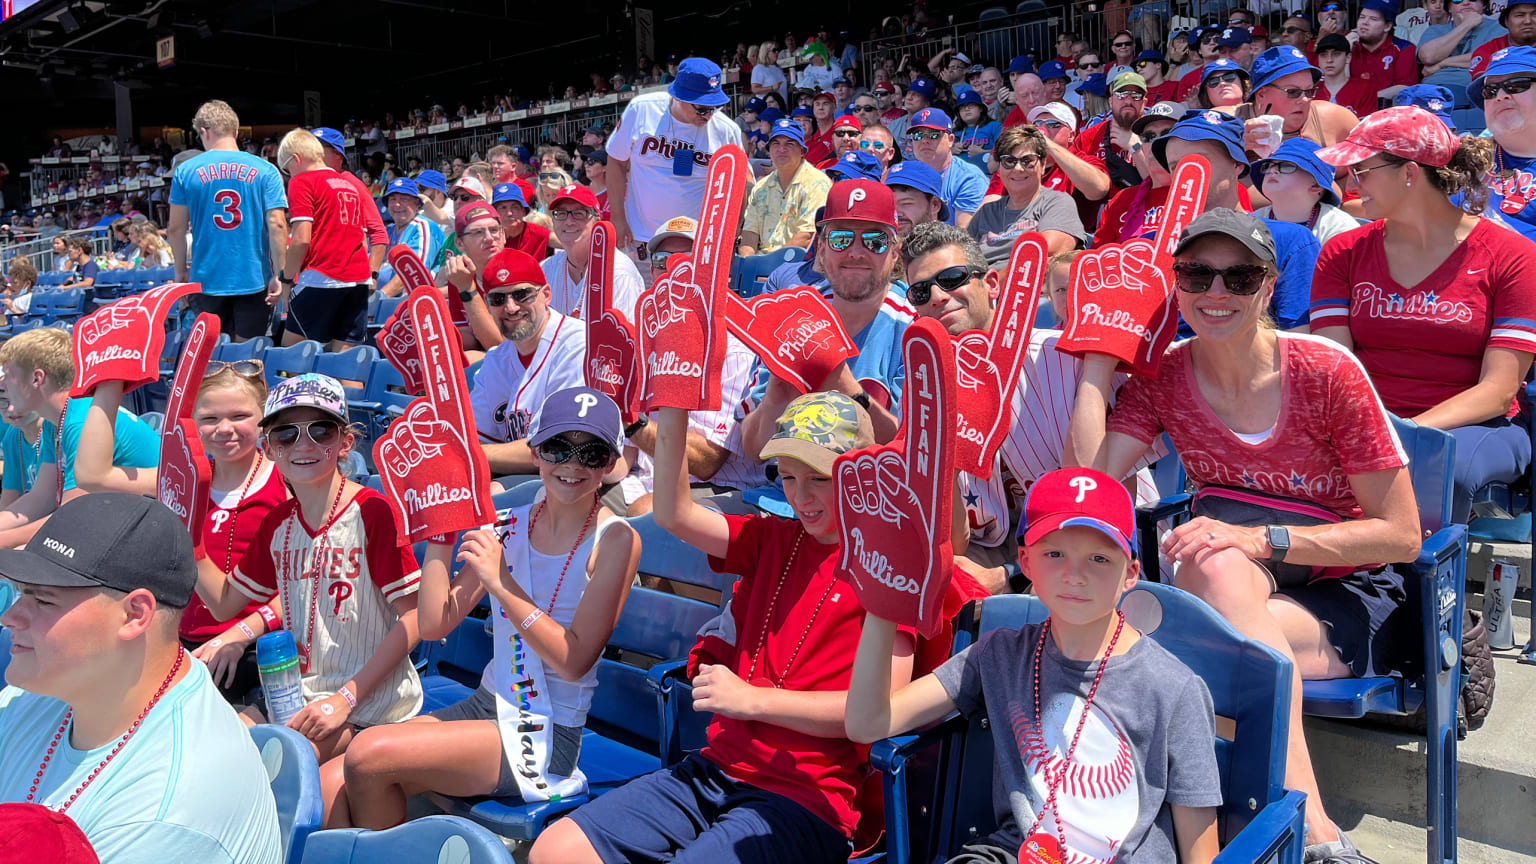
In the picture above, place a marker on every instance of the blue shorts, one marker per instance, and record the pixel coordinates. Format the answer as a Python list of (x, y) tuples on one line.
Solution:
[(693, 812), (1498, 450)]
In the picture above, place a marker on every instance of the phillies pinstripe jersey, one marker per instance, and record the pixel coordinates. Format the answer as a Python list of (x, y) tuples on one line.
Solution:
[(566, 293), (337, 586), (510, 388)]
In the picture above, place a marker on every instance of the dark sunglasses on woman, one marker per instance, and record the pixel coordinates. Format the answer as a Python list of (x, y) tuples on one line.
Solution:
[(1195, 278)]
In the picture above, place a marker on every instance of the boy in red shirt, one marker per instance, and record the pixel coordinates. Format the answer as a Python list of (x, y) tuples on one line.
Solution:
[(522, 235), (1388, 63)]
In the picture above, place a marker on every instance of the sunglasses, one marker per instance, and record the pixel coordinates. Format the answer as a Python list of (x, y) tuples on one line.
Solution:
[(1289, 30), (1129, 94), (593, 454), (1223, 78), (323, 432), (871, 145), (659, 260), (519, 296), (1120, 45), (548, 175), (702, 110), (1357, 173), (1295, 92), (841, 239), (1512, 86), (927, 135), (465, 197), (1008, 163), (1242, 280), (846, 133), (950, 279), (1271, 167), (1049, 124), (1087, 65), (865, 109), (564, 214), (1211, 39), (243, 368)]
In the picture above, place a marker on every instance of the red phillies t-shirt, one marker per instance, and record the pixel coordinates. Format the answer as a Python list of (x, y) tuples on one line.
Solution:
[(1096, 141), (1123, 208), (1394, 62), (818, 147), (1168, 91), (338, 240), (1015, 118), (1484, 53), (1425, 344), (534, 240), (1331, 425), (226, 533), (1357, 95)]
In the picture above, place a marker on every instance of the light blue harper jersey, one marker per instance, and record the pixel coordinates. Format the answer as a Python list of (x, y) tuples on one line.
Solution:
[(422, 236), (227, 195), (963, 188)]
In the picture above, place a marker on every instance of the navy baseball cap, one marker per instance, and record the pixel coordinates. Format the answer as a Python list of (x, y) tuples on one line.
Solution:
[(1235, 37), (1303, 154), (969, 97), (1205, 125), (1387, 8), (508, 192), (1217, 67), (598, 156), (698, 83), (522, 151), (1150, 56), (923, 87), (403, 186), (1097, 84), (931, 118), (430, 179), (788, 129), (1020, 65), (802, 111), (770, 114), (755, 105), (1193, 37), (855, 165), (1052, 69), (1277, 62), (576, 409), (1503, 62), (917, 175), (109, 540), (1433, 98), (330, 138)]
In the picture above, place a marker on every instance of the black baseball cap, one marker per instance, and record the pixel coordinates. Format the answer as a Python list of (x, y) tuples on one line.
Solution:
[(1245, 228), (109, 540), (1333, 42)]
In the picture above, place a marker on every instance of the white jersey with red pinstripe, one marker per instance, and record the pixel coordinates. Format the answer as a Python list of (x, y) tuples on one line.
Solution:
[(510, 389), (336, 588)]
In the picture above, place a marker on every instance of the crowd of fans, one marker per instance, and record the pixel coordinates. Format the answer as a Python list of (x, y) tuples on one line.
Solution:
[(1358, 255)]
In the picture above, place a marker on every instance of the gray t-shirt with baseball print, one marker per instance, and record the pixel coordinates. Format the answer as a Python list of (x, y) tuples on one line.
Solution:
[(1149, 742)]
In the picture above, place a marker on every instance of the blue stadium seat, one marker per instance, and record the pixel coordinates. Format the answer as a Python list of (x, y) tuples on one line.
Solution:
[(384, 398), (352, 365), (1502, 513), (227, 351), (52, 278), (749, 275), (67, 306), (441, 839), (1435, 584), (377, 315), (287, 362), (295, 777), (157, 275), (1250, 688)]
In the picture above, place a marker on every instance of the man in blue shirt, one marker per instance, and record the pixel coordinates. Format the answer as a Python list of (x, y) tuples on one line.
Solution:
[(233, 204), (1510, 114), (963, 185)]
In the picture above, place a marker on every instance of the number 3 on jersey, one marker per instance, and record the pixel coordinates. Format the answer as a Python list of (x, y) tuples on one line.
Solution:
[(229, 217)]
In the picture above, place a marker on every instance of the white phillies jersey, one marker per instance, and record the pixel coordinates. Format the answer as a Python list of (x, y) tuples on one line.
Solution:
[(510, 389), (335, 588), (568, 297), (647, 137)]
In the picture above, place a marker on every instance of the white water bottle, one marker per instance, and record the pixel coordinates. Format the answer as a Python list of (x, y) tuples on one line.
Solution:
[(1499, 604), (277, 662)]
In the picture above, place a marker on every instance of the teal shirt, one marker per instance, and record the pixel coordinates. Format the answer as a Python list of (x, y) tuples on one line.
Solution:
[(21, 461), (189, 786), (135, 445)]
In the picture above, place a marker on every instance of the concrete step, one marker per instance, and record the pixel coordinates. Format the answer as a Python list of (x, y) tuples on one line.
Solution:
[(1372, 779)]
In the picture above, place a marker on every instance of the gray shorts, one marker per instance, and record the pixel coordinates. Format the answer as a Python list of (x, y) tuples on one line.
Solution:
[(481, 705)]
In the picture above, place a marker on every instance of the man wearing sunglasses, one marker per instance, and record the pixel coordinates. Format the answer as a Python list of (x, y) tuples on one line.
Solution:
[(1509, 104), (1519, 16), (1387, 62), (1152, 66), (886, 97), (962, 185), (574, 214), (878, 142), (542, 354), (659, 154), (781, 207), (1109, 140), (1297, 30)]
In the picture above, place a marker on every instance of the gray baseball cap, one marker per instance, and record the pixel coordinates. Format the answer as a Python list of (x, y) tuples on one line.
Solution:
[(1245, 228)]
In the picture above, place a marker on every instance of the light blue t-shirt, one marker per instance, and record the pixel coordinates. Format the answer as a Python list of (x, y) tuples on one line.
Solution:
[(963, 188), (189, 786), (1456, 79), (21, 461), (135, 445), (227, 195), (420, 235)]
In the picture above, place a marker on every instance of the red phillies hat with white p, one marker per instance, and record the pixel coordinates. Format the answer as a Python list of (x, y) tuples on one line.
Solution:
[(864, 200), (1070, 497), (578, 193)]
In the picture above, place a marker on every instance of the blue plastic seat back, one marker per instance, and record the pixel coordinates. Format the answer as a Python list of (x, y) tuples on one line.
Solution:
[(428, 840), (353, 368), (295, 778), (287, 362), (750, 274), (250, 349), (386, 308), (1431, 459)]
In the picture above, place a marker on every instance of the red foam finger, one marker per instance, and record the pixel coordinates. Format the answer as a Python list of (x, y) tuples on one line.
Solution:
[(927, 406), (988, 363), (123, 341), (795, 333), (410, 268), (599, 278), (1186, 200), (612, 362), (184, 477), (195, 354)]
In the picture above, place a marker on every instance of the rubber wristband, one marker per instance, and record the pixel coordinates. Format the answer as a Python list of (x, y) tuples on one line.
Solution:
[(246, 629), (532, 617), (270, 617), (347, 695)]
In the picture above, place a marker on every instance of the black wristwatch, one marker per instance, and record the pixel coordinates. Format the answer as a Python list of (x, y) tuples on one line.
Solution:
[(468, 295), (1279, 542), (283, 279), (375, 275), (640, 423), (863, 399)]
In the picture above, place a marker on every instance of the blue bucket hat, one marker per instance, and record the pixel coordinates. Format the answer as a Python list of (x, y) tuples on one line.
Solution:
[(1278, 62), (402, 186), (508, 192), (1021, 65), (430, 179), (1217, 67), (917, 175), (330, 138), (1052, 69), (855, 165), (1205, 125), (787, 129), (923, 87), (1433, 98), (1303, 154), (770, 114), (1503, 62), (698, 83), (1097, 84), (803, 111)]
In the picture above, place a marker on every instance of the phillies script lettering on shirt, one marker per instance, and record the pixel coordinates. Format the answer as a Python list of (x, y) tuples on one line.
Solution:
[(667, 147), (433, 495), (227, 171), (1419, 307)]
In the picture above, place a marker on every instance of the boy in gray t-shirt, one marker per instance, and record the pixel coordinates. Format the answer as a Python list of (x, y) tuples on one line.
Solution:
[(1134, 780)]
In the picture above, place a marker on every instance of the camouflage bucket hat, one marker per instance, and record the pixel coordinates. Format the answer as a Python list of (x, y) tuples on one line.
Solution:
[(818, 427)]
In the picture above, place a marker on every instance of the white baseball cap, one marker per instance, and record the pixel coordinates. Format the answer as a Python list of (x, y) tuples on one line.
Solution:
[(1059, 111), (470, 185), (677, 226)]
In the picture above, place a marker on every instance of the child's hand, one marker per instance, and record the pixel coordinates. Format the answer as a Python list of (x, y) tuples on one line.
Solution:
[(222, 657), (716, 688), (480, 553), (319, 720)]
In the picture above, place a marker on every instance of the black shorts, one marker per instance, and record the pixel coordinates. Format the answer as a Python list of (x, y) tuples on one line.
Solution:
[(1366, 617), (242, 316), (330, 314)]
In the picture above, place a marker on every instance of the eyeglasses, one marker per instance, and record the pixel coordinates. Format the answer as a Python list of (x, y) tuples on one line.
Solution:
[(1223, 78), (323, 432), (482, 233), (1008, 163), (520, 296), (1511, 86), (872, 145), (1086, 65), (1050, 124), (1290, 30), (927, 135), (702, 110), (593, 454), (1120, 44), (1295, 92), (1131, 95), (1357, 172), (846, 133), (841, 239), (573, 213), (1242, 280), (950, 279), (865, 109), (243, 368)]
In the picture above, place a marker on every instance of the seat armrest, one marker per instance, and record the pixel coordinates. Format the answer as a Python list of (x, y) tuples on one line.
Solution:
[(1276, 834)]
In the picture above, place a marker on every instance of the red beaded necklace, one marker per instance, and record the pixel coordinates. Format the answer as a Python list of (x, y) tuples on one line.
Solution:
[(234, 514), (534, 520), (122, 742), (1054, 780), (58, 451), (773, 604), (314, 571)]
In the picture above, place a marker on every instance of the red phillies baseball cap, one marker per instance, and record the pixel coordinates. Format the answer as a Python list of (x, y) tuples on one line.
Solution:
[(886, 86), (468, 213), (512, 267), (1407, 131), (578, 193), (1070, 497), (824, 95), (848, 121), (32, 833), (864, 200)]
